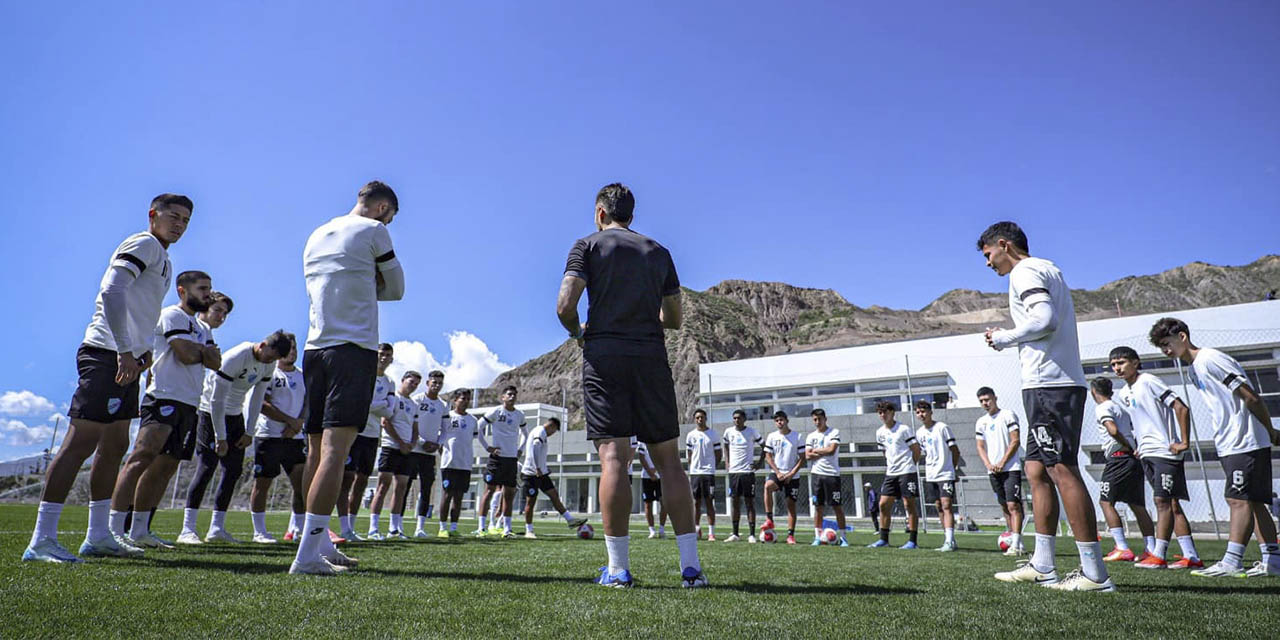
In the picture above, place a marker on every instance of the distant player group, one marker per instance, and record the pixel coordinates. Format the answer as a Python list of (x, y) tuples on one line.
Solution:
[(330, 425)]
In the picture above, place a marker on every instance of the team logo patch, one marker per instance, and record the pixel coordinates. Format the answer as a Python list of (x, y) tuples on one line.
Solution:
[(813, 499), (257, 468), (113, 405), (166, 410), (532, 491), (444, 483), (488, 477)]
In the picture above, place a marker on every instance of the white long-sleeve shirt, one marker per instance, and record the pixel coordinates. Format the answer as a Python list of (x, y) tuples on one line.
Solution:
[(241, 372)]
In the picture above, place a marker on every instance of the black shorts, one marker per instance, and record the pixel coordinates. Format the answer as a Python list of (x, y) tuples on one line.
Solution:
[(1055, 416), (650, 489), (339, 383), (363, 452), (1007, 486), (935, 491), (742, 485), (534, 484), (625, 396), (1248, 476), (824, 490), (180, 417), (390, 460), (204, 430), (1167, 477), (422, 465), (501, 471), (790, 489), (97, 397), (903, 486), (1122, 481), (455, 481), (273, 455), (703, 486)]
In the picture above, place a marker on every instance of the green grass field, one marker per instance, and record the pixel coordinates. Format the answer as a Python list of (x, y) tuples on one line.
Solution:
[(542, 588)]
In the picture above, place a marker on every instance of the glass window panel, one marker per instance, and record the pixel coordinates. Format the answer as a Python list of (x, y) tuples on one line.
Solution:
[(759, 412), (869, 403), (939, 400), (795, 393), (881, 385), (837, 389), (934, 381), (720, 416), (724, 397), (755, 396), (798, 410), (1265, 380), (840, 407), (1250, 357)]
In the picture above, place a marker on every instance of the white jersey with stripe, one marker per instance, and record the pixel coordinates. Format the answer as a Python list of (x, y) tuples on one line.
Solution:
[(142, 255), (433, 417), (341, 262), (896, 444), (286, 392), (1054, 359), (935, 443), (243, 371), (384, 390), (505, 430), (642, 453), (170, 379), (993, 432), (457, 442), (829, 464), (701, 447), (786, 449), (740, 449), (534, 462), (1149, 402), (1235, 429), (1111, 411), (404, 414)]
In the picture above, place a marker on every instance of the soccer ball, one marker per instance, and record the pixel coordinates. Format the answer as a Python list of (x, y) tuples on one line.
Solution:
[(586, 532), (768, 535), (1005, 540), (829, 535)]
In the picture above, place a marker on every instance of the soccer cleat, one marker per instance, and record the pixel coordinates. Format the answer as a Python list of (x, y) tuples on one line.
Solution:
[(508, 535), (816, 543), (219, 534), (791, 539), (481, 534), (1119, 555), (1219, 570), (662, 534), (843, 542), (733, 538), (454, 534), (1143, 556), (340, 559), (1077, 581), (443, 533), (421, 534), (189, 537), (289, 535), (264, 538), (1152, 562), (351, 536), (1261, 569), (752, 539), (711, 537), (396, 535), (877, 544), (653, 535), (48, 550), (374, 536), (948, 546), (318, 567), (1016, 552), (1186, 563), (109, 547), (1027, 573), (691, 578), (334, 538), (615, 580), (909, 545), (577, 523), (530, 536), (495, 530), (150, 540)]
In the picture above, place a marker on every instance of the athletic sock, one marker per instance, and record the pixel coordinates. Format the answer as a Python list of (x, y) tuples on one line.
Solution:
[(444, 526), (652, 531), (1234, 557), (911, 535), (619, 554), (1149, 542), (189, 516), (1042, 556), (711, 530), (1161, 549), (1270, 551), (1091, 561), (817, 533), (295, 522), (791, 532), (884, 535), (1017, 541), (480, 526), (219, 520), (662, 531), (115, 521), (1117, 534), (375, 522), (315, 527), (46, 521), (1188, 545), (141, 525), (567, 515), (528, 528), (453, 526), (99, 515), (397, 523), (949, 535), (688, 545), (506, 524), (259, 522), (422, 523), (348, 523)]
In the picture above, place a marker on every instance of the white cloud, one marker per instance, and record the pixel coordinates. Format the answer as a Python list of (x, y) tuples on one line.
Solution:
[(17, 433), (471, 363), (24, 403)]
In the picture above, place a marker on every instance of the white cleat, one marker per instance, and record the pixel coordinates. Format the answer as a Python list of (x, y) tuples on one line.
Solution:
[(264, 538), (48, 550), (1015, 552), (733, 538), (751, 539), (528, 535), (1218, 570), (220, 535), (351, 536), (422, 534), (396, 535), (149, 540), (317, 567), (189, 537), (109, 547), (691, 578), (1261, 569), (1027, 573), (374, 536), (653, 535), (340, 559), (1077, 581)]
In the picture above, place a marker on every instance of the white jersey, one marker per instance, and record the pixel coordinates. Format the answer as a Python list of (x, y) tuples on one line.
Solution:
[(457, 449), (993, 432), (740, 447), (786, 449), (701, 447), (404, 415), (1112, 411), (505, 430), (828, 465), (1054, 359), (340, 262), (535, 453), (286, 392), (433, 418), (383, 392), (642, 453), (896, 444), (1235, 428), (170, 379), (240, 373), (936, 443), (1149, 402), (142, 255)]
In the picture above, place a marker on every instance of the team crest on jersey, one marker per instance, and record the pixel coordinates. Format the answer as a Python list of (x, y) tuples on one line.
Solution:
[(533, 491), (252, 377), (113, 405), (166, 410)]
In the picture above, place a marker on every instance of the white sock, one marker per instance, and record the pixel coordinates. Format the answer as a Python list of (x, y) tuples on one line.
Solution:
[(568, 516), (115, 521), (315, 529), (375, 522), (219, 520), (99, 515), (1149, 542), (1161, 548), (528, 528), (422, 523), (189, 516), (1270, 552), (397, 522), (444, 526), (949, 535), (688, 545), (348, 523), (1042, 557), (453, 526), (1188, 547), (817, 533), (1091, 561), (141, 524), (259, 522), (506, 524), (711, 530), (480, 526), (46, 521), (1017, 541), (662, 530), (1234, 556), (1117, 534), (619, 553), (295, 522), (652, 531)]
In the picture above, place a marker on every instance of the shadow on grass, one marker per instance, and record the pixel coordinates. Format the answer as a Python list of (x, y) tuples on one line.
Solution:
[(256, 568), (749, 587), (1203, 589)]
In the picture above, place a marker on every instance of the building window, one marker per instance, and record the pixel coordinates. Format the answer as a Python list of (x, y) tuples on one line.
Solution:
[(881, 385), (756, 396), (840, 406), (869, 403), (800, 410), (724, 397), (795, 393), (838, 389), (939, 400)]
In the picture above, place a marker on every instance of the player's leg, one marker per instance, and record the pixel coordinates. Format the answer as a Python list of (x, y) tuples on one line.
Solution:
[(709, 502), (80, 442), (886, 516), (615, 500), (102, 479), (818, 501), (482, 510), (749, 497), (508, 499), (770, 487), (913, 515), (1115, 525), (151, 437), (298, 506), (948, 518), (385, 479), (322, 494), (648, 516), (1265, 530), (841, 527), (1182, 531), (150, 491), (232, 466), (258, 506), (530, 499), (426, 484), (677, 501), (791, 518), (1044, 504), (399, 487), (346, 522), (735, 509), (206, 465), (359, 484)]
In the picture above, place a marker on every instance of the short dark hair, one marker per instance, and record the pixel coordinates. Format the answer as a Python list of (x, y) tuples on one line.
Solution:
[(885, 405), (1009, 231), (986, 391), (1126, 353), (378, 190), (818, 412), (280, 341), (461, 391), (924, 404), (436, 373), (217, 296), (188, 278), (739, 412), (166, 200), (555, 421), (386, 346), (411, 374), (1167, 328), (617, 201), (780, 414), (511, 388), (1102, 385), (697, 411)]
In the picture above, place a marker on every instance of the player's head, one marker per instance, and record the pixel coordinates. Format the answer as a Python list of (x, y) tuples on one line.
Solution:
[(386, 355), (924, 411), (378, 202), (194, 290), (509, 394), (435, 381), (169, 215), (1173, 337), (552, 425), (1125, 362), (819, 418), (409, 382), (274, 346), (987, 398), (886, 410), (700, 418), (220, 306), (461, 400), (614, 204), (1101, 389), (288, 359), (781, 420), (1003, 244), (739, 418)]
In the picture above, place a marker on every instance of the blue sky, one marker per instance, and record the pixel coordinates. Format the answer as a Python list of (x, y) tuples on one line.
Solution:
[(828, 145)]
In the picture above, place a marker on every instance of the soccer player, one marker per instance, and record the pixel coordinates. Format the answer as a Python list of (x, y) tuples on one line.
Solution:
[(1122, 477), (821, 449), (433, 417), (999, 448), (507, 425), (1053, 393), (399, 437), (901, 451), (873, 505), (1242, 436), (246, 370), (740, 444), (457, 452), (535, 476), (784, 453), (278, 445), (169, 408), (349, 266), (941, 455), (364, 450), (702, 446), (634, 293), (651, 493), (116, 350)]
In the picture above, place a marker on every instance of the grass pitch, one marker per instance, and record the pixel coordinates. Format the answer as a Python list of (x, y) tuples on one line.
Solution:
[(542, 588)]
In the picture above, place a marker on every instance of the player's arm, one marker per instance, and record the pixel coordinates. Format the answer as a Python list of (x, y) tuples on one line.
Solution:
[(795, 469), (719, 454), (571, 288), (252, 410), (760, 462), (768, 458), (1259, 410), (916, 454), (484, 441), (1031, 288), (218, 410), (272, 413), (390, 275), (1113, 430), (982, 453), (413, 433), (648, 466), (186, 351), (671, 314), (1015, 441)]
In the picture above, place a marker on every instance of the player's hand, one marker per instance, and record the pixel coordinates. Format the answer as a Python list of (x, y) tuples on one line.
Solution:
[(404, 447), (1275, 437), (128, 368), (991, 468), (290, 431), (493, 451), (212, 357), (1178, 447), (220, 448), (244, 441), (146, 360), (430, 447)]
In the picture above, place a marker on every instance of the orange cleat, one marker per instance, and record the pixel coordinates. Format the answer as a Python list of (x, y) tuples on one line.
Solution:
[(288, 536), (1152, 562), (1119, 555), (711, 537), (1186, 563), (335, 538), (791, 539), (1143, 556)]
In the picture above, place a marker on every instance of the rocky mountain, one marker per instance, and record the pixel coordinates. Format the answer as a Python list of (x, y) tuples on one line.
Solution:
[(740, 319)]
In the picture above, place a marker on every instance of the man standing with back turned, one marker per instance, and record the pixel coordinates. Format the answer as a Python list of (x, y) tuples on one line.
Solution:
[(634, 294)]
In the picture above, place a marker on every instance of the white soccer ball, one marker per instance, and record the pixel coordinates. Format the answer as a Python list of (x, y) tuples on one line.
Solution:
[(829, 535), (586, 532), (768, 535), (1005, 540)]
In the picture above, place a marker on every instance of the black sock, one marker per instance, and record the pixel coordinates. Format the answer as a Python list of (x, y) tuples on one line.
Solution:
[(751, 527), (912, 534), (735, 528), (153, 519), (884, 535), (128, 520)]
